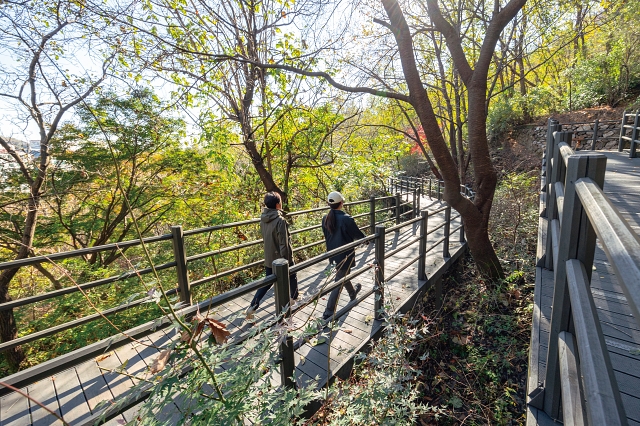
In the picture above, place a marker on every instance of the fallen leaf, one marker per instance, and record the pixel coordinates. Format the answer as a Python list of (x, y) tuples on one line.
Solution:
[(460, 340), (318, 341), (185, 336), (348, 331), (218, 329), (103, 357), (302, 360), (159, 363)]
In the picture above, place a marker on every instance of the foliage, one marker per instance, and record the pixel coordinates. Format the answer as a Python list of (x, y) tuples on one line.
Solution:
[(240, 389), (382, 389), (475, 355), (511, 108), (217, 382), (514, 221)]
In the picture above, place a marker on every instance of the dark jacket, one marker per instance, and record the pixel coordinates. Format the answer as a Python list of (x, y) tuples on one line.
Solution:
[(276, 237), (346, 232)]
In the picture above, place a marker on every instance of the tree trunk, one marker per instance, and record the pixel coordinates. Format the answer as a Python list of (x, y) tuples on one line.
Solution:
[(8, 326), (474, 215)]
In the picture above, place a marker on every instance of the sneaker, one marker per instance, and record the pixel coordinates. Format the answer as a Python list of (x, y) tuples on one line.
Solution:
[(356, 290), (250, 311)]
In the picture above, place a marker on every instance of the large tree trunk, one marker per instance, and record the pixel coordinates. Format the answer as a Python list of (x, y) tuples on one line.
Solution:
[(8, 326), (474, 215)]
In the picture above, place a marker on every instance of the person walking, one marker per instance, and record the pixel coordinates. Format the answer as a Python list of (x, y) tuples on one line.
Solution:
[(277, 244), (339, 229)]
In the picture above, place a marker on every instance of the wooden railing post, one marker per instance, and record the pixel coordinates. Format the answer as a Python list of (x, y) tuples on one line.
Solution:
[(378, 304), (462, 239), (372, 214), (180, 256), (557, 175), (447, 228), (398, 202), (422, 248), (430, 193), (595, 135), (283, 306), (577, 240)]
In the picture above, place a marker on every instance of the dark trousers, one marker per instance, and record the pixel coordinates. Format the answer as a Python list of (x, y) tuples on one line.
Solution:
[(293, 287), (335, 293)]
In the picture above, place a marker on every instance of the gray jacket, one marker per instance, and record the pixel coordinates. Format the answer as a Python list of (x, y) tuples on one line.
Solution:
[(276, 237)]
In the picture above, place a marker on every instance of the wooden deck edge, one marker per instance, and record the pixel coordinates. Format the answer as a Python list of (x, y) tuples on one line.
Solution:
[(64, 362), (533, 380), (344, 368)]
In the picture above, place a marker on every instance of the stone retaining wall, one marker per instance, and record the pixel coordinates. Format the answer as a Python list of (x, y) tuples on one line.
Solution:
[(608, 134)]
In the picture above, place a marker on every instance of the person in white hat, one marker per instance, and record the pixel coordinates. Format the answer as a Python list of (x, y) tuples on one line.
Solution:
[(339, 229)]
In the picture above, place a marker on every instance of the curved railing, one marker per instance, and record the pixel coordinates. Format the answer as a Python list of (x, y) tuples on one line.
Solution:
[(429, 186), (183, 290)]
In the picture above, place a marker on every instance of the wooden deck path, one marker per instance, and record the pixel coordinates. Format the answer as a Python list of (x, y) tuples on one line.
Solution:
[(622, 335), (74, 393)]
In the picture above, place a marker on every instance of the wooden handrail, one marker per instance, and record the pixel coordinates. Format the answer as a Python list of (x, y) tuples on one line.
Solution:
[(574, 191)]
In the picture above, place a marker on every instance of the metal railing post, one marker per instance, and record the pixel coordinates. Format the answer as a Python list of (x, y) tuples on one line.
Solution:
[(447, 228), (372, 214), (379, 260), (634, 135), (180, 256), (422, 248), (576, 240), (623, 131), (414, 214), (595, 135), (439, 190), (398, 202), (462, 239), (553, 127), (430, 193), (415, 202), (283, 306), (406, 189)]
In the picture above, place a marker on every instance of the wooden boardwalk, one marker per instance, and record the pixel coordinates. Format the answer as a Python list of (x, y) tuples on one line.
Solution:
[(75, 392), (621, 332)]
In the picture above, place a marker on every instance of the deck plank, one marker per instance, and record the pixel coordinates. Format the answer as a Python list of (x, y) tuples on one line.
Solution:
[(45, 393), (15, 409), (73, 403)]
